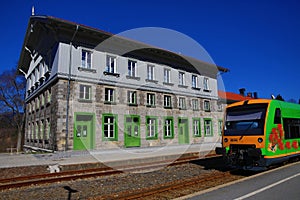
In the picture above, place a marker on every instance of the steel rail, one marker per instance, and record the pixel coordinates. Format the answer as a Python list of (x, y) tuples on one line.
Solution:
[(39, 179)]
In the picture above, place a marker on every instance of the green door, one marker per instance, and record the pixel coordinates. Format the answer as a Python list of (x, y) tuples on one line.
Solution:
[(84, 135), (132, 131), (183, 133)]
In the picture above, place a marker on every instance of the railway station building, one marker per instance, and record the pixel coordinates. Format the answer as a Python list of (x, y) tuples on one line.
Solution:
[(89, 89)]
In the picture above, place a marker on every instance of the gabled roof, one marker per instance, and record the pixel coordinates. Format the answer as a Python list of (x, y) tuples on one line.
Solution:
[(45, 32)]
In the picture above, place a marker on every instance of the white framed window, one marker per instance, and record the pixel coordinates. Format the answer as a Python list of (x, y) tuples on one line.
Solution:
[(195, 81), (37, 103), (32, 79), (206, 105), (132, 67), (85, 92), (49, 96), (29, 108), (33, 105), (167, 101), (48, 126), (220, 126), (219, 106), (29, 131), (37, 74), (150, 99), (181, 76), (86, 59), (167, 75), (42, 128), (195, 104), (208, 127), (111, 64), (131, 97), (37, 135), (42, 100), (205, 84), (182, 103), (109, 95), (196, 127), (168, 128), (150, 72), (151, 127), (109, 126)]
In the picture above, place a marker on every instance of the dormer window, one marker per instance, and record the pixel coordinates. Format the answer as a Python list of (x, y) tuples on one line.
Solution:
[(86, 59), (206, 84), (132, 65), (181, 76), (150, 72), (195, 82), (111, 66), (167, 75)]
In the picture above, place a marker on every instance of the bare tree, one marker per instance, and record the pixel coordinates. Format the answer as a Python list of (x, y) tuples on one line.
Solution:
[(12, 91)]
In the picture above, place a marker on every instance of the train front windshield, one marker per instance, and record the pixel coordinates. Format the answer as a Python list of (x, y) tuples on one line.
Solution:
[(246, 119)]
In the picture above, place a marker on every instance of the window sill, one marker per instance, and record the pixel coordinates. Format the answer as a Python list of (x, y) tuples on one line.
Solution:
[(132, 104), (109, 139), (195, 88), (183, 86), (208, 135), (205, 90), (170, 84), (168, 137), (151, 138), (207, 110), (85, 100), (182, 109), (197, 136), (133, 77), (150, 106), (196, 109), (110, 103), (167, 107), (111, 74), (151, 81), (87, 69)]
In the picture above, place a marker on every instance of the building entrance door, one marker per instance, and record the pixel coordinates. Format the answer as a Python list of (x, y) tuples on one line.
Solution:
[(183, 131), (84, 132), (132, 131)]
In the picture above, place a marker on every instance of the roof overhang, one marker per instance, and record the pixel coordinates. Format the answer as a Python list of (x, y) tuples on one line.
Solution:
[(62, 31)]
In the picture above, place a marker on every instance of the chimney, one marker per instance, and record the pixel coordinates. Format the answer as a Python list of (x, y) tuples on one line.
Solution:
[(255, 96), (242, 91), (249, 94)]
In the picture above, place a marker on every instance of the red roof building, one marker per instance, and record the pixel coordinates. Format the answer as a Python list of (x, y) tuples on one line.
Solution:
[(230, 97)]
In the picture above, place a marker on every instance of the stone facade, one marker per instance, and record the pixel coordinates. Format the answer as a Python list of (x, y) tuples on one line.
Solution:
[(70, 106)]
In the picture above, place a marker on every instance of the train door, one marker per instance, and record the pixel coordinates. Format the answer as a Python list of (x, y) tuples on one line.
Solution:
[(183, 133), (132, 131)]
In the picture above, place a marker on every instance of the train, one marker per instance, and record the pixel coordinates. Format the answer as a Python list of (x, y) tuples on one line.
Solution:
[(260, 133)]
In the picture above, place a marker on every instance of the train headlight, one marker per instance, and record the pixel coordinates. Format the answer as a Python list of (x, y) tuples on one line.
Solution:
[(260, 140), (225, 140)]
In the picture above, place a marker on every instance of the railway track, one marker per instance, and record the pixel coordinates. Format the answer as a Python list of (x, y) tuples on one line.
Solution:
[(39, 179), (177, 188)]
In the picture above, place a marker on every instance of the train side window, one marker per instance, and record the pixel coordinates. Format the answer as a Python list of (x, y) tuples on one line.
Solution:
[(277, 117), (291, 128)]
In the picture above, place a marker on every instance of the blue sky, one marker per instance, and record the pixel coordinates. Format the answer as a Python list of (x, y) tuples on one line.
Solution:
[(257, 40)]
